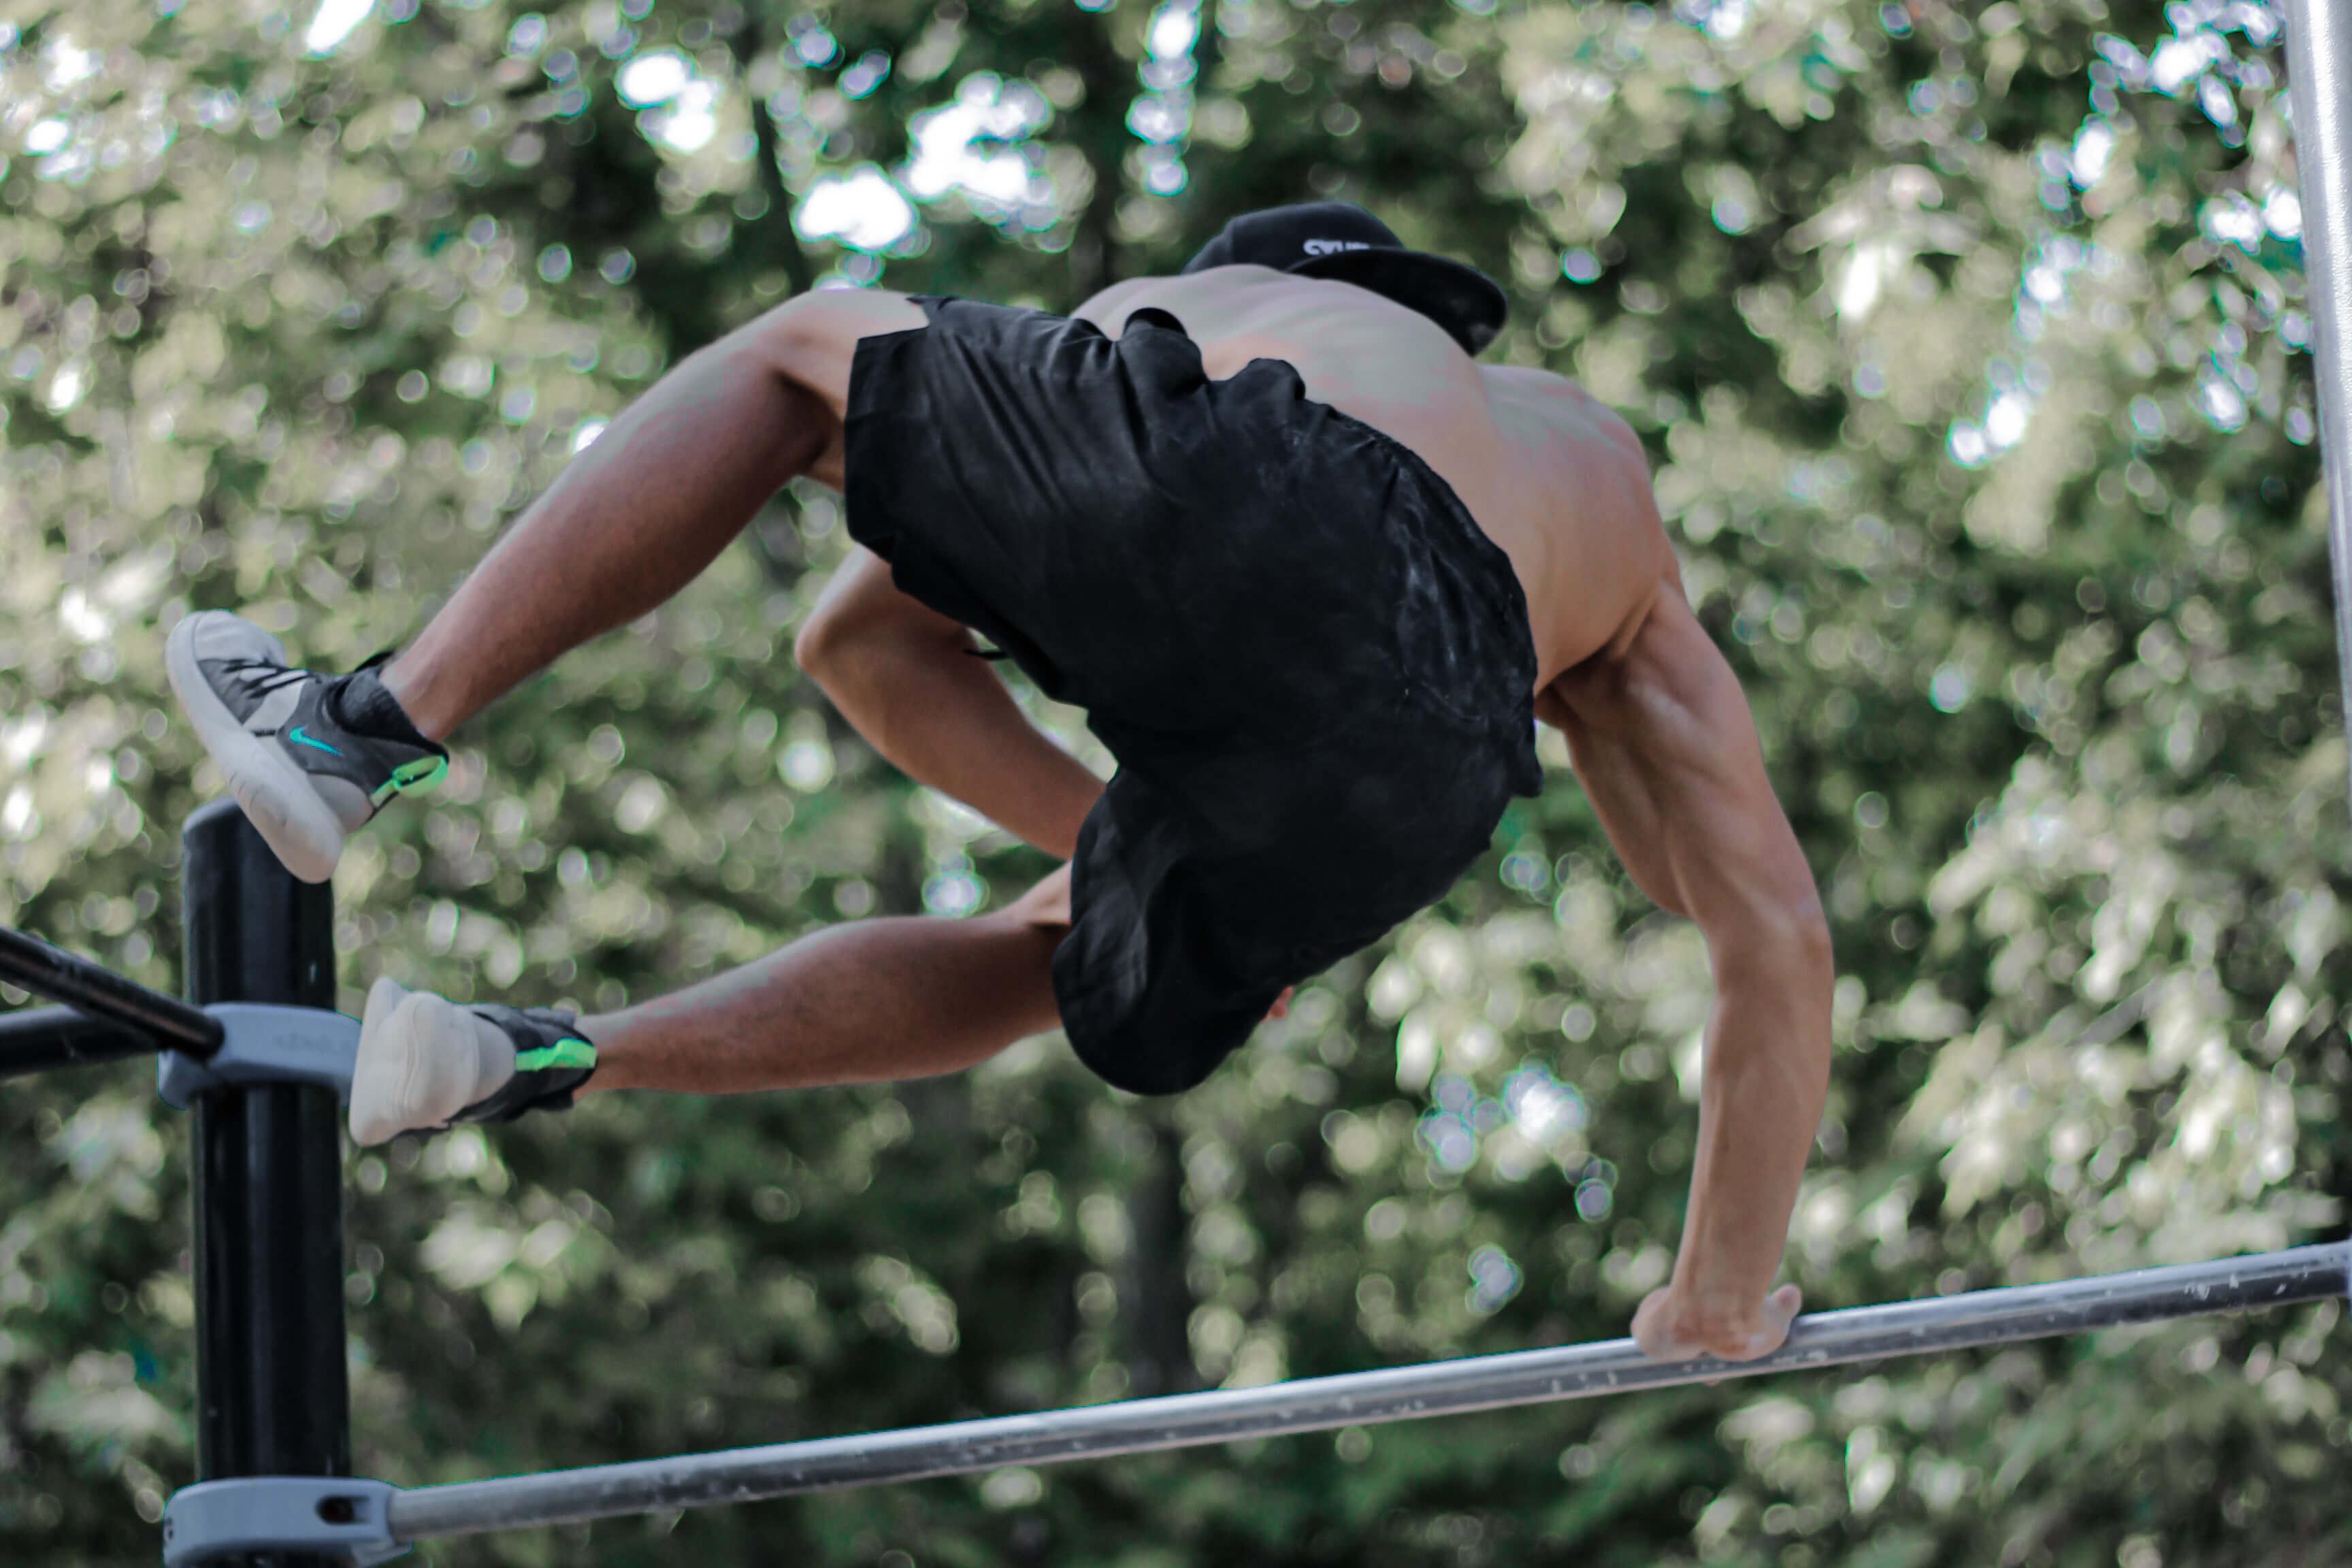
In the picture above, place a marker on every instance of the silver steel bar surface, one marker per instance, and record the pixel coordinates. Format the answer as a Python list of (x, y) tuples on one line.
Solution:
[(2319, 73), (1395, 1393)]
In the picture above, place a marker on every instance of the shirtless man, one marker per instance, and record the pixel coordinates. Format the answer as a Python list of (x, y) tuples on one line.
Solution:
[(1312, 571)]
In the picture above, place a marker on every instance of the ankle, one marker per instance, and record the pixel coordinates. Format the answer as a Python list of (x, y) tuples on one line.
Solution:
[(611, 1032), (364, 703), (419, 696)]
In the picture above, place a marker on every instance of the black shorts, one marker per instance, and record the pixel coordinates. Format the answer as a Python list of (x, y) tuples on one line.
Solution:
[(1314, 670)]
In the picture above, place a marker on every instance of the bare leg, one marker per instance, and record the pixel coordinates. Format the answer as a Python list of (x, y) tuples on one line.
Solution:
[(872, 1000), (642, 511)]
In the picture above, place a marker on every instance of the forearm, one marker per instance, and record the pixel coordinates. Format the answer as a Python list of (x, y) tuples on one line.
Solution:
[(945, 718), (1765, 1077)]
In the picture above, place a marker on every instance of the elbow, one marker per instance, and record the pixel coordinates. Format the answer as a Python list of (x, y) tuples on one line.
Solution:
[(835, 632), (1805, 931), (840, 651), (816, 645), (1803, 915), (1778, 943), (836, 646), (1787, 912), (831, 651)]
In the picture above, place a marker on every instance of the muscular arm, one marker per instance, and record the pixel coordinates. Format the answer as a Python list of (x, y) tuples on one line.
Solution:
[(900, 672), (1663, 745)]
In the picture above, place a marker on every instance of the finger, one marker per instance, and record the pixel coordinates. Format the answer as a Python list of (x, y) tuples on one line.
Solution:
[(1644, 1326), (1652, 1335), (1779, 1310)]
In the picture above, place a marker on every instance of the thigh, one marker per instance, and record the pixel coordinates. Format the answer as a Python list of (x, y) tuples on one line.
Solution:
[(811, 340)]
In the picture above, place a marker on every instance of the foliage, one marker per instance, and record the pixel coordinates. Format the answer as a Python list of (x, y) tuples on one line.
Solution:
[(1968, 346)]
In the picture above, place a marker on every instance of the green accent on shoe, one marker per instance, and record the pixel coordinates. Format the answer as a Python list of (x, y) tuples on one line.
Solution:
[(411, 777), (564, 1053), (299, 738)]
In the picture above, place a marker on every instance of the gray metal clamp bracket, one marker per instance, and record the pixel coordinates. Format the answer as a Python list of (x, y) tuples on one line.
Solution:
[(331, 1516), (265, 1043)]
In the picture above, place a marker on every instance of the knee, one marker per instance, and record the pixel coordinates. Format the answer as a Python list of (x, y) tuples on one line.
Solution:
[(810, 339), (784, 344), (789, 338)]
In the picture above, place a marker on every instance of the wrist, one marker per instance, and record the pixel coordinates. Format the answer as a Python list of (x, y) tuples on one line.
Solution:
[(1707, 1307)]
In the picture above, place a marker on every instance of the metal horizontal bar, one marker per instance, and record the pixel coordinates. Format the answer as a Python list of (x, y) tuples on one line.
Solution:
[(38, 1040), (1396, 1394), (62, 976)]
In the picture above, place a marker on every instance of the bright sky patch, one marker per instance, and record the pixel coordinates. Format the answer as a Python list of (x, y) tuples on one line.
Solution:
[(333, 23)]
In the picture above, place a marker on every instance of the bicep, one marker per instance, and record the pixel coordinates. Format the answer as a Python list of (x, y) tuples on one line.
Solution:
[(1665, 747)]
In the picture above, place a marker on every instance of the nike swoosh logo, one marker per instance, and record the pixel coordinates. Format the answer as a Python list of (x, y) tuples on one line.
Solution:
[(297, 735)]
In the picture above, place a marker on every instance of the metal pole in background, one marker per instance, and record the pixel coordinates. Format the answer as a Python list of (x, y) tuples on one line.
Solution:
[(67, 977), (2319, 74), (272, 1393), (39, 1039)]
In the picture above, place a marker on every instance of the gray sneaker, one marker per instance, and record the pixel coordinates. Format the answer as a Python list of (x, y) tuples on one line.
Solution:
[(426, 1062), (306, 781)]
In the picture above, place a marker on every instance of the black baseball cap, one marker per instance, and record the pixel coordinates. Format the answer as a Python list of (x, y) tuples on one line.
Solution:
[(1340, 240)]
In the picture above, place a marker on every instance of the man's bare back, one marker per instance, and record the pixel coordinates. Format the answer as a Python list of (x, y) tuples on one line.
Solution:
[(1551, 475)]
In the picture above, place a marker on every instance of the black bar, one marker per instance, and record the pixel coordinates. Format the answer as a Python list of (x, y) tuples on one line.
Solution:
[(62, 976), (271, 1393), (36, 1039)]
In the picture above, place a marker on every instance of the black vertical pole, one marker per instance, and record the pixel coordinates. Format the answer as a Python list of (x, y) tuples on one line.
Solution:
[(271, 1395)]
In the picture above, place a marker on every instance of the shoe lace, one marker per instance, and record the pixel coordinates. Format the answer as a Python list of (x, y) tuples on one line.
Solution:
[(260, 676)]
